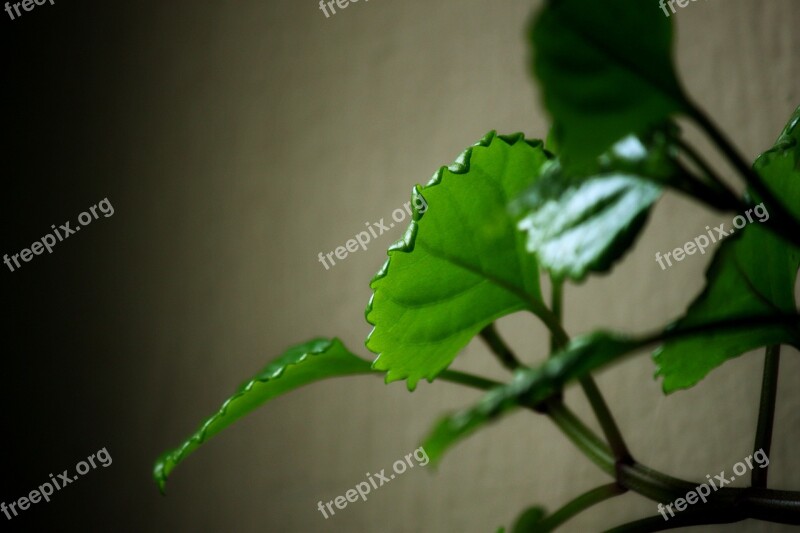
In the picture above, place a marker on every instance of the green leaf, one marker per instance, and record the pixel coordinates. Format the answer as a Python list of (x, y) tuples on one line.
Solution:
[(461, 264), (752, 274), (582, 223), (606, 70), (749, 276), (780, 165), (300, 365), (530, 387)]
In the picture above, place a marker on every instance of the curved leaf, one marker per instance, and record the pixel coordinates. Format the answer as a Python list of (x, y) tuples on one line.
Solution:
[(582, 223), (300, 365), (588, 227), (461, 264), (752, 274), (606, 70)]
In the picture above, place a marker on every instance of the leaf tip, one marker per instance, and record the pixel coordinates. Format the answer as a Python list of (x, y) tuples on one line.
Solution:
[(161, 472), (487, 139), (418, 204), (406, 243), (461, 164)]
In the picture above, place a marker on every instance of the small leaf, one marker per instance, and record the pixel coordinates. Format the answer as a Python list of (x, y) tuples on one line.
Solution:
[(752, 274), (531, 386), (300, 365), (461, 264), (582, 223), (749, 276), (780, 165), (606, 71)]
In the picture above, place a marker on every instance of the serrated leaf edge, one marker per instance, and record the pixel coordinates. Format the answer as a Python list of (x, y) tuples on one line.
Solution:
[(406, 244), (176, 456)]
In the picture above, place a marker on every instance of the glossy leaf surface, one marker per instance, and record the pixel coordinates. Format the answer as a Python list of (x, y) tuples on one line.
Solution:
[(461, 264), (300, 365), (582, 223)]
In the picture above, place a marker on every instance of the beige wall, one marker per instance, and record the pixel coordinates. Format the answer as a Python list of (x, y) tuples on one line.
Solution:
[(262, 133)]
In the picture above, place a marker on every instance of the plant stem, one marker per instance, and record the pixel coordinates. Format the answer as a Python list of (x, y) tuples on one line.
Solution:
[(784, 224), (652, 484), (606, 419), (578, 505), (633, 476), (657, 523), (691, 185), (469, 380), (590, 388), (557, 307), (695, 157), (725, 505), (581, 436), (766, 410), (553, 324), (500, 348)]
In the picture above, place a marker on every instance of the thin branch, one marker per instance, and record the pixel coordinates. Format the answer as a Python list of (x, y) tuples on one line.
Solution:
[(578, 505), (581, 436), (559, 336), (766, 410), (686, 519), (725, 505), (790, 320), (695, 157), (590, 388), (695, 187), (557, 307), (500, 348), (468, 380), (639, 478), (606, 419), (782, 222), (657, 486)]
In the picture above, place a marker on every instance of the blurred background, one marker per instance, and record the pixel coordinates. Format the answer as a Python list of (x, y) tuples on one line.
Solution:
[(236, 141)]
